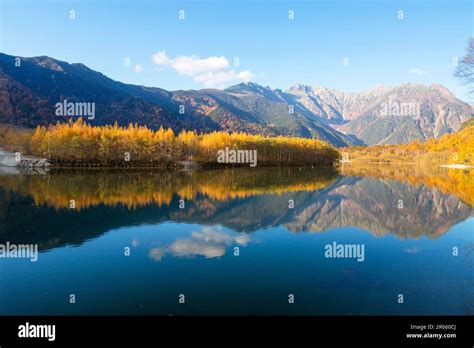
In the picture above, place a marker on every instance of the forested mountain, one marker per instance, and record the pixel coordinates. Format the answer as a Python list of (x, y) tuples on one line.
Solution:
[(30, 90), (29, 93)]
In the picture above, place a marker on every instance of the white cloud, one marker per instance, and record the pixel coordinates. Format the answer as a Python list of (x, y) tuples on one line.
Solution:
[(210, 242), (211, 71), (210, 235), (416, 71), (160, 58), (157, 253), (222, 78), (243, 239), (138, 68), (190, 247)]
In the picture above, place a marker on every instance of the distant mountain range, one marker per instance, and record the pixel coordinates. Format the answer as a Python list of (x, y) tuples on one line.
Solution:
[(29, 93), (388, 115)]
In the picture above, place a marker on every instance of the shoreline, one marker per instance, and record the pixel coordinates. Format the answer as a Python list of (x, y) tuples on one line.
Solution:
[(389, 163), (456, 166)]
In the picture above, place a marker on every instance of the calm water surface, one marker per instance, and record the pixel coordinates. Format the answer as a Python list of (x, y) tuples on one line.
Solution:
[(238, 241)]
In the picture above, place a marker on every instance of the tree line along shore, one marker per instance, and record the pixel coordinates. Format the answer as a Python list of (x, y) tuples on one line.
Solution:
[(78, 144), (454, 150)]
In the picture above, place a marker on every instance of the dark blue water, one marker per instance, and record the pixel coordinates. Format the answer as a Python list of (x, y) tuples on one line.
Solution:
[(234, 255)]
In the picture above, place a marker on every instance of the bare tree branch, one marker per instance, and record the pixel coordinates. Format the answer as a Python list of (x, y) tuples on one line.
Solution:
[(465, 69)]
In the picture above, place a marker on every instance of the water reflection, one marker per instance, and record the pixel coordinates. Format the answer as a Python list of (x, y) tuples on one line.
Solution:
[(36, 208), (243, 240), (210, 242)]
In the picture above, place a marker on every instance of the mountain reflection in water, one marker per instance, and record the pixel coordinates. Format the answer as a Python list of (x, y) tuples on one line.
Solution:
[(36, 208), (238, 241)]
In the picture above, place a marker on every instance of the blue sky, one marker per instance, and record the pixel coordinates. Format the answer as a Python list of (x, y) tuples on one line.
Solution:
[(273, 50)]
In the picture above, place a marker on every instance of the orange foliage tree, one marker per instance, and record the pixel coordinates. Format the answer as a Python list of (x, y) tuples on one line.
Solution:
[(81, 144)]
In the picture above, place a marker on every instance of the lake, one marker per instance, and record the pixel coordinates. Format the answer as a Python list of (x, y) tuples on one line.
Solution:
[(246, 241)]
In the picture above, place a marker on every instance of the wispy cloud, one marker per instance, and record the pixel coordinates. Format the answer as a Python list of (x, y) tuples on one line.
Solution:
[(210, 71), (416, 71)]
